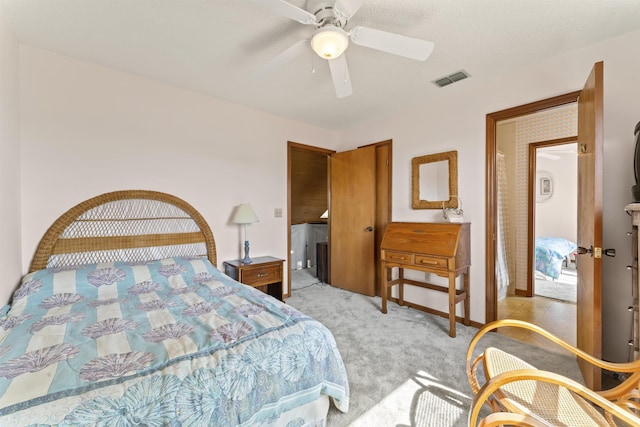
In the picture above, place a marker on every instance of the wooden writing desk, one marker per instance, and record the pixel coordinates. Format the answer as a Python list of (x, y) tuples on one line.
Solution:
[(432, 247)]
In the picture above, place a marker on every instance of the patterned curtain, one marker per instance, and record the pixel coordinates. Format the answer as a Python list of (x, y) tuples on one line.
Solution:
[(502, 254)]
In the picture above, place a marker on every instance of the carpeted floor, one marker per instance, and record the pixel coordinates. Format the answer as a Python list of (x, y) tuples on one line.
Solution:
[(564, 288), (304, 277), (404, 369)]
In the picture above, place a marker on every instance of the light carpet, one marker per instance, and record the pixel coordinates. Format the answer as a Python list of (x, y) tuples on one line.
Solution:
[(404, 369), (304, 277), (564, 288)]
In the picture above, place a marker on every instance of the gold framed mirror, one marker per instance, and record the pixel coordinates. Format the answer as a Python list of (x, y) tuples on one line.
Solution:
[(434, 181)]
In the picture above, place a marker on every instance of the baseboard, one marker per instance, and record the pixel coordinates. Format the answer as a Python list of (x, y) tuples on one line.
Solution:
[(521, 292)]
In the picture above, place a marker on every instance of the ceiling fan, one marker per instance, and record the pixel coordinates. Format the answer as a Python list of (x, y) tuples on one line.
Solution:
[(330, 40)]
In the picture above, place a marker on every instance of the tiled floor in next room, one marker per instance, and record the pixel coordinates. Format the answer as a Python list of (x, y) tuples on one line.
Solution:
[(557, 317)]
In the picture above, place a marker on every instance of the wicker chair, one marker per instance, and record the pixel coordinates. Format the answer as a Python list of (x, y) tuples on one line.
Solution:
[(519, 394)]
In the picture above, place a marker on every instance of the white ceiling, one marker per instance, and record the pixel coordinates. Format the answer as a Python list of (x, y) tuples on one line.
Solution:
[(215, 46)]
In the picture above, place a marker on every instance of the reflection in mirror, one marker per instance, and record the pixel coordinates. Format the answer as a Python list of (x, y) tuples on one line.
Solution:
[(434, 181)]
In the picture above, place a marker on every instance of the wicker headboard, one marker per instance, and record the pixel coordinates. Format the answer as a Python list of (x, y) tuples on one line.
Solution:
[(132, 225)]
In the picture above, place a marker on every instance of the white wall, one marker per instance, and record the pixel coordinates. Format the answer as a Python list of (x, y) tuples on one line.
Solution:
[(10, 240), (87, 130), (556, 216), (456, 121)]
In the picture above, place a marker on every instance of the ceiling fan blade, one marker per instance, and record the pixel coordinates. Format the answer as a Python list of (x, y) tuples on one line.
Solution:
[(288, 10), (283, 58), (340, 76), (392, 43), (346, 8)]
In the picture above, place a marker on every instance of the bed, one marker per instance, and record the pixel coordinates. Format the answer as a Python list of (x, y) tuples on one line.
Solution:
[(124, 320), (551, 253)]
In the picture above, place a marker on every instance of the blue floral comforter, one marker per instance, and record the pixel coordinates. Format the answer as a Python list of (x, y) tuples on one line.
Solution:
[(550, 252), (173, 342)]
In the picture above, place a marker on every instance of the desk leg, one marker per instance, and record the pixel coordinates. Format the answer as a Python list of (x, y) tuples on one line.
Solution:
[(467, 314), (452, 304), (401, 286), (384, 289)]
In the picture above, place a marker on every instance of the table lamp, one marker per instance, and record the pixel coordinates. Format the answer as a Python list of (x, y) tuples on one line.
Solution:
[(245, 215)]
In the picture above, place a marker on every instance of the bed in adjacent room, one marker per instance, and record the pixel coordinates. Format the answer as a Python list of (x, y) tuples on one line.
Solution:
[(124, 319), (551, 252)]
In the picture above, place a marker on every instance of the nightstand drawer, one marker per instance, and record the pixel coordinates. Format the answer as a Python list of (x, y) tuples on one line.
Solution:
[(262, 275), (431, 261)]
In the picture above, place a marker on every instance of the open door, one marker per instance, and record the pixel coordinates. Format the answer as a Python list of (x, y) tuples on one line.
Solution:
[(590, 164), (589, 262), (352, 220)]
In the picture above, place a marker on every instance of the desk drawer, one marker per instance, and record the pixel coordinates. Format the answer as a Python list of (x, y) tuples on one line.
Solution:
[(431, 261), (398, 257), (262, 275)]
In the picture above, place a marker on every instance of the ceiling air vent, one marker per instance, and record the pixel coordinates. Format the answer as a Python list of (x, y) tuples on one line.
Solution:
[(451, 78)]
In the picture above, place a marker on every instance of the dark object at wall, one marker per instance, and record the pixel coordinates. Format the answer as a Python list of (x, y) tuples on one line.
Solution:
[(636, 164), (322, 261)]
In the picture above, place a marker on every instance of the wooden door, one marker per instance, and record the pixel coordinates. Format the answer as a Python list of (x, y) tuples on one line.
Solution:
[(352, 220), (590, 157)]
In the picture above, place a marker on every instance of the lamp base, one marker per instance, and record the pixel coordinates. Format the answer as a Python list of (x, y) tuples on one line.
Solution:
[(246, 259)]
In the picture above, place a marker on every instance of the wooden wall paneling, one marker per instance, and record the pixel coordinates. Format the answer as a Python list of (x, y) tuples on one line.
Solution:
[(308, 186)]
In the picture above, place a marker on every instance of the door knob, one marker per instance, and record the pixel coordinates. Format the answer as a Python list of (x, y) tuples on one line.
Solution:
[(369, 229), (582, 251), (607, 252)]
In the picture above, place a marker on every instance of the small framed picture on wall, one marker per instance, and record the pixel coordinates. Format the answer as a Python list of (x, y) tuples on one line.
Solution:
[(545, 186)]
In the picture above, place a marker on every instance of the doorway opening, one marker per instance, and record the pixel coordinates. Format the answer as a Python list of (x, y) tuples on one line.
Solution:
[(513, 138), (590, 178), (550, 296), (307, 212), (310, 191), (554, 188)]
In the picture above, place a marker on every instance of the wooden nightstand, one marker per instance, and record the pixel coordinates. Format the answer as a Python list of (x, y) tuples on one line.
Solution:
[(264, 273)]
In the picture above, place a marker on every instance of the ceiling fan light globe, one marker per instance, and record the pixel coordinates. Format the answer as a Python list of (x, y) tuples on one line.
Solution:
[(329, 42)]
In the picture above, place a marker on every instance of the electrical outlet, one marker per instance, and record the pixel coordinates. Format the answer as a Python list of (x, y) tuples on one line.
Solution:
[(277, 212)]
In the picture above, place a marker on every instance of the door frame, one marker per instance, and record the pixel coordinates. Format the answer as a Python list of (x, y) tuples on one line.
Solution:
[(492, 119)]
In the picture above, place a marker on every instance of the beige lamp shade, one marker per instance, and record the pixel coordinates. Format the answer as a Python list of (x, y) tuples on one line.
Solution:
[(244, 215)]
